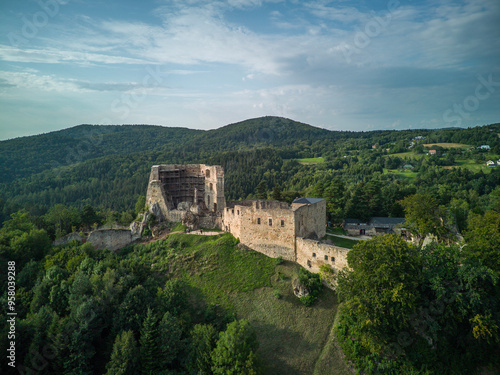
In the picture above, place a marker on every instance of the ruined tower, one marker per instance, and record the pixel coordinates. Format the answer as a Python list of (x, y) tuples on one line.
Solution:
[(192, 193)]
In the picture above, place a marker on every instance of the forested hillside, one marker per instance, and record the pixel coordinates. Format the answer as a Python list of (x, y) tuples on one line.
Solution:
[(362, 174)]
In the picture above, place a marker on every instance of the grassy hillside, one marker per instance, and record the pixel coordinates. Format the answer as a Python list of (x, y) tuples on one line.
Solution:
[(294, 339)]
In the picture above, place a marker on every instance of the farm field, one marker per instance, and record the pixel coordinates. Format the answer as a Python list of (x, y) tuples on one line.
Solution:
[(406, 155), (311, 160), (447, 145), (405, 174)]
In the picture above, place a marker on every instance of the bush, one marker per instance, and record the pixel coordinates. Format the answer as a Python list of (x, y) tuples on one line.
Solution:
[(279, 260), (313, 283), (277, 294)]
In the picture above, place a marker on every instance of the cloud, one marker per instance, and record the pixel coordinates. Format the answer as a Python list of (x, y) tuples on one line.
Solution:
[(24, 80), (44, 82), (53, 56)]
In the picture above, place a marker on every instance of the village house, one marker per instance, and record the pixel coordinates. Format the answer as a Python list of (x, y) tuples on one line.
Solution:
[(375, 226)]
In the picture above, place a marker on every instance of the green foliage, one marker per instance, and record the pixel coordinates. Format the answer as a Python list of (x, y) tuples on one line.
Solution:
[(140, 205), (169, 339), (261, 190), (423, 215), (277, 193), (235, 350), (132, 310), (279, 260), (382, 286), (125, 355), (203, 340), (149, 350), (483, 239), (313, 284), (409, 308), (33, 245)]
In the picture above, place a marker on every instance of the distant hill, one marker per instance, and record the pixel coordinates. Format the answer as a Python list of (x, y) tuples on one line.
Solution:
[(22, 157), (108, 166)]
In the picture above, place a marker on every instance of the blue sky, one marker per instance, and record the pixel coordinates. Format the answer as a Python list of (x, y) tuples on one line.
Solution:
[(341, 65)]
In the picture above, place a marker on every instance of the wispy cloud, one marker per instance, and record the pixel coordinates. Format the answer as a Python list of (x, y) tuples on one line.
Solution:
[(52, 56)]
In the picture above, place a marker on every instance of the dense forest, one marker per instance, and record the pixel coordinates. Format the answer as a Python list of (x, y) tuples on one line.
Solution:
[(107, 167), (406, 308)]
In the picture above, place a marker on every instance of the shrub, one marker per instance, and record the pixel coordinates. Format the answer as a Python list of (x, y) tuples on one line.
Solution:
[(279, 260), (313, 283)]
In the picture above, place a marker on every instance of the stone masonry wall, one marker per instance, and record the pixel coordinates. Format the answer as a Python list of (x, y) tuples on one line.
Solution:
[(214, 187), (213, 196), (311, 254), (111, 239), (155, 199), (310, 220), (265, 226)]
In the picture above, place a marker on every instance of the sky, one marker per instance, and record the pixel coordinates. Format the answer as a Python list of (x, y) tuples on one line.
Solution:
[(340, 65)]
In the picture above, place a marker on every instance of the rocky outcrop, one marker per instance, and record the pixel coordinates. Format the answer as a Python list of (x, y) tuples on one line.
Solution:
[(299, 290)]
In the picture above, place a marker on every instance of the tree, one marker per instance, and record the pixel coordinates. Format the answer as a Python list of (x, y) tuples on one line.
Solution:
[(169, 339), (149, 344), (235, 350), (131, 311), (357, 205), (318, 190), (422, 215), (261, 190), (203, 341), (89, 217), (334, 194), (124, 358), (277, 193), (19, 221), (172, 298), (32, 245), (62, 219), (381, 289), (483, 239), (140, 205)]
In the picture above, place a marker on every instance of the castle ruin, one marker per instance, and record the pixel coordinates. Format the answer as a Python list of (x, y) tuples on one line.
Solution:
[(194, 195)]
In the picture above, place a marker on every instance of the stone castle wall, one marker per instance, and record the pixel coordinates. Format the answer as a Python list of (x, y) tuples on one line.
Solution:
[(111, 239), (276, 229), (310, 219), (197, 195), (265, 226), (311, 254)]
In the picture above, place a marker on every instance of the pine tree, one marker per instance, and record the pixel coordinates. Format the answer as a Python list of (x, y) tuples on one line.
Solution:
[(169, 339), (203, 341), (148, 344), (125, 354), (261, 190), (277, 193)]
